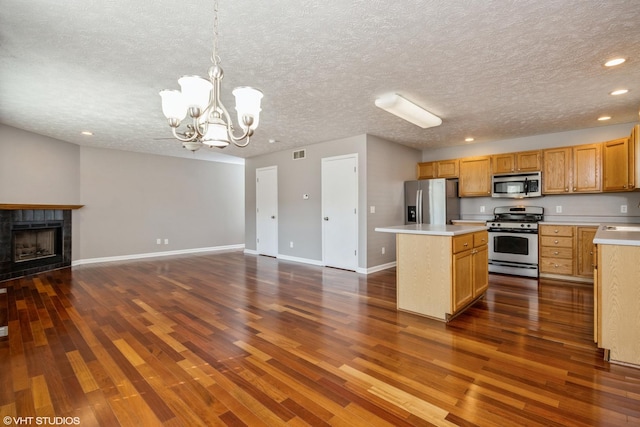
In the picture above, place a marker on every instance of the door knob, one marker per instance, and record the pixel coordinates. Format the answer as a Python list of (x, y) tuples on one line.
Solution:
[(326, 218)]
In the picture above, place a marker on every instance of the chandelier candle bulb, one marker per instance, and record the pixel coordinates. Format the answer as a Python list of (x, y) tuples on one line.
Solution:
[(211, 124)]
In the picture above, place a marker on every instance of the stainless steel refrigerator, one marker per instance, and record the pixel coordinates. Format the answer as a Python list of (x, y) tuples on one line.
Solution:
[(431, 201)]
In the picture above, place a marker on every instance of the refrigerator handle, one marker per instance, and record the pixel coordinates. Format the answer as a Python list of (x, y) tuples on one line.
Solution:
[(419, 206)]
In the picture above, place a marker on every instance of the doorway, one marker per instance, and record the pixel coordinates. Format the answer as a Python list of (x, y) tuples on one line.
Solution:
[(267, 211), (340, 211)]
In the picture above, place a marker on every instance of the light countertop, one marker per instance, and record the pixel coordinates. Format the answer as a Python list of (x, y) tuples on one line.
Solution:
[(607, 236), (432, 229)]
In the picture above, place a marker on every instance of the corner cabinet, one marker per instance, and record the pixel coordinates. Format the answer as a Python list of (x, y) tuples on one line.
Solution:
[(475, 177)]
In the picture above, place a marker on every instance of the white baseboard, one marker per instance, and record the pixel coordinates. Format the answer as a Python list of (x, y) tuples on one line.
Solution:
[(156, 254), (377, 268), (301, 260)]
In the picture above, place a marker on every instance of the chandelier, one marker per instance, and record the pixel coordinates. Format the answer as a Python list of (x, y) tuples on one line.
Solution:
[(211, 124)]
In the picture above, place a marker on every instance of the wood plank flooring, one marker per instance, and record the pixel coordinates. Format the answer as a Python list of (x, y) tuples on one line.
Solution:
[(234, 339)]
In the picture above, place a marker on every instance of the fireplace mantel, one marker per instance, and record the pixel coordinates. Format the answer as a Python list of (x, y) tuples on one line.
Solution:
[(13, 207)]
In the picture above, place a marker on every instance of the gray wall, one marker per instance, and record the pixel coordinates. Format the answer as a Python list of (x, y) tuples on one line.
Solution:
[(583, 207), (300, 221), (130, 199), (383, 168), (389, 165), (37, 169)]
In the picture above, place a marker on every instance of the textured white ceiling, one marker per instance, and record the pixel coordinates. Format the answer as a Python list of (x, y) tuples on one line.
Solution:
[(491, 69)]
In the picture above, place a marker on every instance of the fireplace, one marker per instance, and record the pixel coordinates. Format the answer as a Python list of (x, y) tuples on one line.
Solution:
[(33, 241)]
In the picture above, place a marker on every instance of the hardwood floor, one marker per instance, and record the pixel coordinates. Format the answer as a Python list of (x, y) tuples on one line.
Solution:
[(234, 339)]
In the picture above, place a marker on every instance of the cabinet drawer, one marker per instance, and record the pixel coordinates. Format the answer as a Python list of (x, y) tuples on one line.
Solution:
[(556, 230), (563, 242), (480, 238), (557, 252), (462, 243), (556, 266)]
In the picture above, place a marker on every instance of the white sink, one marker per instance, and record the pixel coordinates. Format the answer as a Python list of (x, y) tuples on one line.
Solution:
[(622, 228)]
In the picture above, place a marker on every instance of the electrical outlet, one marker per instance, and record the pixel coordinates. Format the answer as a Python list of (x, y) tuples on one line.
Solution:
[(383, 250), (290, 244), (558, 209), (166, 241), (623, 208), (372, 209), (481, 209), (158, 241)]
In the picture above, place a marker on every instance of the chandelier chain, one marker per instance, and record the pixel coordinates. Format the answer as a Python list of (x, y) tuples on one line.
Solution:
[(214, 56)]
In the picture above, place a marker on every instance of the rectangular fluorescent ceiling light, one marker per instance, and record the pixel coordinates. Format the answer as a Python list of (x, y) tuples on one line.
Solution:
[(407, 110)]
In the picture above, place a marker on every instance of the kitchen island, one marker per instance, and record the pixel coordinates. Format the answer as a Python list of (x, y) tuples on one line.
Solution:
[(441, 269), (617, 292)]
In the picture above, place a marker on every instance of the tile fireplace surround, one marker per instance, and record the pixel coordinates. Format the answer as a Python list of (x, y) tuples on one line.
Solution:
[(30, 216)]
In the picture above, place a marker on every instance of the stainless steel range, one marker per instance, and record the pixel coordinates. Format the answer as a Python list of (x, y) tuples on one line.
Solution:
[(513, 240)]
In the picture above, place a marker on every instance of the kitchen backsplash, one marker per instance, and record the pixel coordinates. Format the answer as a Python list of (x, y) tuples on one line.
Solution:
[(594, 208)]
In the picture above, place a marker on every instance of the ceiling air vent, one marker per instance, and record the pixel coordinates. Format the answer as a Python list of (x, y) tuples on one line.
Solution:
[(300, 154)]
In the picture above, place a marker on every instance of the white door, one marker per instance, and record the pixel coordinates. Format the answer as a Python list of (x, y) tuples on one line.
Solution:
[(340, 211), (267, 211)]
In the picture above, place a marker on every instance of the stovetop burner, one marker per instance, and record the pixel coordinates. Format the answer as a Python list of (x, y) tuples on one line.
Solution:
[(516, 217)]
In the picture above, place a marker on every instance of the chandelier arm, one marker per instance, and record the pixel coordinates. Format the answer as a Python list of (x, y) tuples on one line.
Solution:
[(241, 145), (229, 122), (179, 138)]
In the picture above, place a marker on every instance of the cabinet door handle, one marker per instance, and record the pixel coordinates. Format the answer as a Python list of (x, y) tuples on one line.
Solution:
[(555, 231), (566, 189), (465, 245), (555, 241), (574, 188), (556, 266), (556, 253)]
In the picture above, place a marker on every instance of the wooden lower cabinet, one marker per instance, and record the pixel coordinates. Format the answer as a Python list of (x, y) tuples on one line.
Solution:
[(617, 303), (470, 269), (566, 252), (439, 276)]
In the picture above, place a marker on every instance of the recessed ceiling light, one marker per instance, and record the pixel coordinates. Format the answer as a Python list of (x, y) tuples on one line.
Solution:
[(468, 139), (603, 118), (619, 92), (614, 62), (86, 132)]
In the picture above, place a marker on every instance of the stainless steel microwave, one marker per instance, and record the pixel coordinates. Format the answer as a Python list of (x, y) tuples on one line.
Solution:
[(517, 186)]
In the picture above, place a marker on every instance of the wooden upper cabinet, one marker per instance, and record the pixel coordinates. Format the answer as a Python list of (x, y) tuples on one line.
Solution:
[(426, 170), (556, 170), (617, 162), (524, 161), (529, 161), (503, 163), (448, 168), (438, 169), (572, 169), (475, 177), (587, 168)]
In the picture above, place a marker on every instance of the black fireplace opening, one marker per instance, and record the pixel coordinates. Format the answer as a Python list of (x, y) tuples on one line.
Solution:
[(33, 241), (36, 244)]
